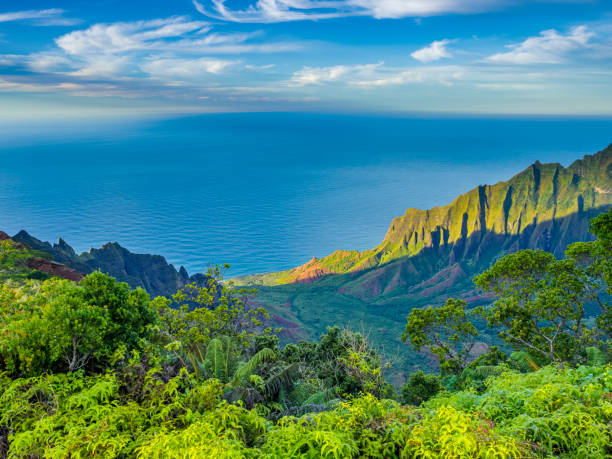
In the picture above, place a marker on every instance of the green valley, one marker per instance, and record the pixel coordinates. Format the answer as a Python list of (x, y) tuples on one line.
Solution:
[(428, 256)]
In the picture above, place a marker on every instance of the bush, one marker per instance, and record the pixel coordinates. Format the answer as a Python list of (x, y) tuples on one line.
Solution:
[(560, 412), (60, 326), (419, 388)]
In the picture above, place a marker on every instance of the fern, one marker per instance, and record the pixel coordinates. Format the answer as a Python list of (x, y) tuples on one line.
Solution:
[(248, 368), (281, 380), (215, 360), (525, 359), (320, 398), (595, 356), (486, 371)]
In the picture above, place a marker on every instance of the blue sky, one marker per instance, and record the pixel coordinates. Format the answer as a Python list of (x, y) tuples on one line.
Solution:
[(110, 58)]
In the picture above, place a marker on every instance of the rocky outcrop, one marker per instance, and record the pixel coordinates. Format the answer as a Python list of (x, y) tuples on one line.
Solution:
[(30, 260), (55, 269), (150, 272)]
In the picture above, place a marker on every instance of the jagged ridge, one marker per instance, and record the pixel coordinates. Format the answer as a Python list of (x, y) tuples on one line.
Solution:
[(151, 272), (468, 226)]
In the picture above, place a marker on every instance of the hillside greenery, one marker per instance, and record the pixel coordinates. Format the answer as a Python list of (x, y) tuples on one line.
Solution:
[(427, 256), (13, 262), (96, 369)]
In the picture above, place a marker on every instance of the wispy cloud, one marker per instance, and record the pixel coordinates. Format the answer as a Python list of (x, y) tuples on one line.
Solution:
[(419, 8), (129, 49), (376, 75), (320, 75), (392, 79), (8, 60), (48, 17), (24, 86), (267, 11), (185, 69), (433, 75), (550, 47), (121, 37), (433, 52), (170, 58)]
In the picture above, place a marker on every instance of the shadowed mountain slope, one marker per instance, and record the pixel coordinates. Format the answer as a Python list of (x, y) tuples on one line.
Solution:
[(428, 256), (151, 272), (524, 211)]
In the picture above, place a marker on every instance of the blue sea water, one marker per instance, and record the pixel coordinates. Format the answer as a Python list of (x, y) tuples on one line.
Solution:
[(262, 192)]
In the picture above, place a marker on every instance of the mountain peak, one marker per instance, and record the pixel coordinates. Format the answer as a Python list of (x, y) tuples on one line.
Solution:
[(543, 195)]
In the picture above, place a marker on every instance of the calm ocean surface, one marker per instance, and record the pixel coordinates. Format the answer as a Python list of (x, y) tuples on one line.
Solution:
[(263, 192)]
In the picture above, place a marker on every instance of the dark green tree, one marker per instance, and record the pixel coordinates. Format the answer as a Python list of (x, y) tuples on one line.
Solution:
[(447, 331), (540, 304), (61, 326), (419, 388), (595, 258)]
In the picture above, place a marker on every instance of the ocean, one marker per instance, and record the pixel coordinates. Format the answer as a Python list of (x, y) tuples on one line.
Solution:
[(260, 191)]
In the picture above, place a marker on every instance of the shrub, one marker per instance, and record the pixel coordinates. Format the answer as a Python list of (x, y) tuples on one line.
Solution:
[(419, 388), (60, 326)]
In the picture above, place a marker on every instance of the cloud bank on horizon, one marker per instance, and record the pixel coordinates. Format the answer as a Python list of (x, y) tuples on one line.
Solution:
[(469, 56)]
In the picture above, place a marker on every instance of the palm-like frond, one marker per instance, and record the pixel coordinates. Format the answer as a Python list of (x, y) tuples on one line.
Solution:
[(486, 371), (215, 360), (318, 398), (248, 368), (526, 359), (281, 379)]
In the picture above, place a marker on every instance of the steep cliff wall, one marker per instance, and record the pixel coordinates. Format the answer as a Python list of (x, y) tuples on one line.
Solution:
[(151, 272), (546, 206)]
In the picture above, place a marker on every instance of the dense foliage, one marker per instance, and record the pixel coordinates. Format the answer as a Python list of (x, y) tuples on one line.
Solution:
[(13, 262), (96, 369)]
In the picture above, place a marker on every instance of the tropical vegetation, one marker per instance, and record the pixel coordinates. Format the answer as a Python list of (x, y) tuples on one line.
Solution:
[(96, 369)]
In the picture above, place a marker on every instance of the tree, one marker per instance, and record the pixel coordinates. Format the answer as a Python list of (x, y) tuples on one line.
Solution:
[(419, 388), (446, 330), (540, 303), (596, 259), (80, 328), (131, 316), (199, 313), (343, 363), (61, 326)]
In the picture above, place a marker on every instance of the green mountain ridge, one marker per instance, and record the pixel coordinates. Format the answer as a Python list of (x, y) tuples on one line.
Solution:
[(541, 193), (428, 256), (150, 272)]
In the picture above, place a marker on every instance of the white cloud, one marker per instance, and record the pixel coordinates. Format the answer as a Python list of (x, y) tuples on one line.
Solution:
[(8, 60), (48, 17), (120, 37), (126, 49), (376, 75), (47, 62), (185, 68), (8, 85), (30, 14), (259, 67), (404, 77), (266, 11), (320, 75), (103, 68), (440, 75), (418, 8), (550, 47), (310, 75), (433, 52)]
